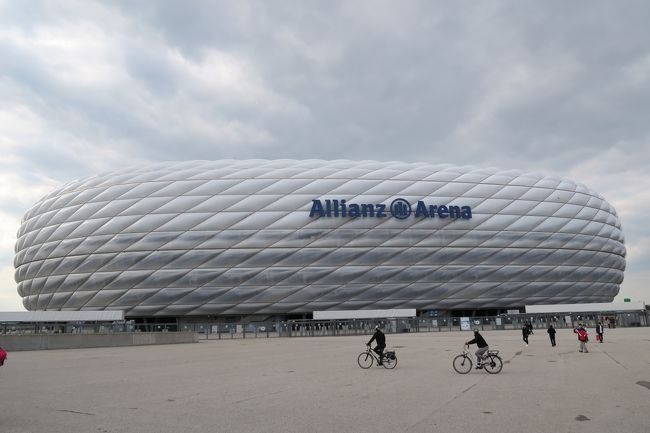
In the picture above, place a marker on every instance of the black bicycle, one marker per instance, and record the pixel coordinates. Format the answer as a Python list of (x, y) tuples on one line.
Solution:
[(491, 362), (365, 359)]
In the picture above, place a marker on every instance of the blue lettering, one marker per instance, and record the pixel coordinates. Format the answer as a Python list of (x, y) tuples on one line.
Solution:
[(421, 210), (454, 212), (335, 205), (367, 210), (400, 209), (328, 208), (316, 208)]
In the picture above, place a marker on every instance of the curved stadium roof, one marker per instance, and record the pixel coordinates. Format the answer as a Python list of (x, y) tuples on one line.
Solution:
[(236, 237)]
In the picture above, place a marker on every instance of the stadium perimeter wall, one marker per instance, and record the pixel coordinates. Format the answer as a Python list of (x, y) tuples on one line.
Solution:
[(82, 341)]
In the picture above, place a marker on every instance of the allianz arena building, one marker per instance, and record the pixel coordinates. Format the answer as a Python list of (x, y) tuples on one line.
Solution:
[(283, 238)]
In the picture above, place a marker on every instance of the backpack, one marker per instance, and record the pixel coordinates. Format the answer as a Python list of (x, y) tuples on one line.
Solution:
[(3, 356), (582, 335)]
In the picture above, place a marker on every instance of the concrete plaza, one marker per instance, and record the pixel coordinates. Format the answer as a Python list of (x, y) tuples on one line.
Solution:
[(315, 385)]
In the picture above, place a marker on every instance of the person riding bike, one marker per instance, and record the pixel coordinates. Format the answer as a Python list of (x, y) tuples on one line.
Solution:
[(381, 343), (482, 347)]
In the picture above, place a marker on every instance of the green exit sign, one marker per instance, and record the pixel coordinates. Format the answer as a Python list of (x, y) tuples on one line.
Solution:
[(626, 300)]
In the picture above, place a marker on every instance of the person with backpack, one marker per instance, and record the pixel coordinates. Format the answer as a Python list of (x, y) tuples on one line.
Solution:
[(3, 356), (583, 337)]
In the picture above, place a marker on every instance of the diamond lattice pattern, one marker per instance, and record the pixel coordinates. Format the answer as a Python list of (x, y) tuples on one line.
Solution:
[(235, 237)]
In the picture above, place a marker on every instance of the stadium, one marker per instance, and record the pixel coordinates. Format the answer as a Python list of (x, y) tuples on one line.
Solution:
[(284, 238)]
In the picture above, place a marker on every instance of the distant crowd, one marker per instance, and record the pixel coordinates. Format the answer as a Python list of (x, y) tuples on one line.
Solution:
[(580, 331)]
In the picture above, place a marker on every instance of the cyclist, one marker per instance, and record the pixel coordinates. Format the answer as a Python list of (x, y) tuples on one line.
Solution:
[(381, 343), (482, 347)]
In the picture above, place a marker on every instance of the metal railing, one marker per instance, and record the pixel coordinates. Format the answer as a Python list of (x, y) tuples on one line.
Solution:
[(321, 328)]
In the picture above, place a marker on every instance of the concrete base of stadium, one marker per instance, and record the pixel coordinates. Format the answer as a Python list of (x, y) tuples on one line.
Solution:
[(77, 341), (315, 385)]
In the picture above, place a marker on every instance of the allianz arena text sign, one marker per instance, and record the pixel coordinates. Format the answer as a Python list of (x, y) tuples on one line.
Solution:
[(399, 208)]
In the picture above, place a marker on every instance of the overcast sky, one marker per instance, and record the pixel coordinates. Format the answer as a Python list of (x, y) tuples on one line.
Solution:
[(561, 88)]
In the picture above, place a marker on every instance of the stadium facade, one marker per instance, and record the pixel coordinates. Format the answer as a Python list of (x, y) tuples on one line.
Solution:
[(278, 238)]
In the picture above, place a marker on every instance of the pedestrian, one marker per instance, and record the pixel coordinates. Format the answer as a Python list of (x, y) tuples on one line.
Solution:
[(524, 332), (599, 332), (551, 334), (583, 337), (530, 328)]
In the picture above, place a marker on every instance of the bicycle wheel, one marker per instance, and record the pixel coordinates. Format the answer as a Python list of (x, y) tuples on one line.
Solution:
[(493, 364), (462, 364), (365, 360), (389, 363)]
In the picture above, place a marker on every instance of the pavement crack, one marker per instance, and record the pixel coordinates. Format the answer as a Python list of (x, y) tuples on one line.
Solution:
[(75, 411), (256, 396), (614, 359), (462, 392)]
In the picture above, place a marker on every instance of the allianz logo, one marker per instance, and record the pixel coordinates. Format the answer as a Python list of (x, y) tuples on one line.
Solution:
[(399, 208)]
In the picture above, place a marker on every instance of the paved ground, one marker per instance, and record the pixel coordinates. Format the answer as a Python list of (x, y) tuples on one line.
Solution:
[(315, 385)]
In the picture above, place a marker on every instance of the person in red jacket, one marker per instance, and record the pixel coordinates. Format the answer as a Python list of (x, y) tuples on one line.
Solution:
[(583, 337), (3, 356)]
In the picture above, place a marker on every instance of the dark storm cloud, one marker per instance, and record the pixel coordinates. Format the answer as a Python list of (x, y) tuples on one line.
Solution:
[(554, 87)]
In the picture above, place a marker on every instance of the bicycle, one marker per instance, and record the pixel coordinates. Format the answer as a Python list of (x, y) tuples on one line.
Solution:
[(365, 359), (492, 362)]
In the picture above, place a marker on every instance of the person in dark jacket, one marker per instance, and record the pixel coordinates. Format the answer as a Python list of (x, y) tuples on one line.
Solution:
[(530, 328), (600, 331), (524, 332), (381, 343), (482, 347), (551, 334)]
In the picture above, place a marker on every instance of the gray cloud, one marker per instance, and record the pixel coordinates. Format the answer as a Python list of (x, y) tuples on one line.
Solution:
[(554, 87)]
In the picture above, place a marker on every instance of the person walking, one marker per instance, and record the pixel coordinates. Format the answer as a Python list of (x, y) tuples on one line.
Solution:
[(600, 330), (530, 328), (583, 337), (524, 332), (551, 334)]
